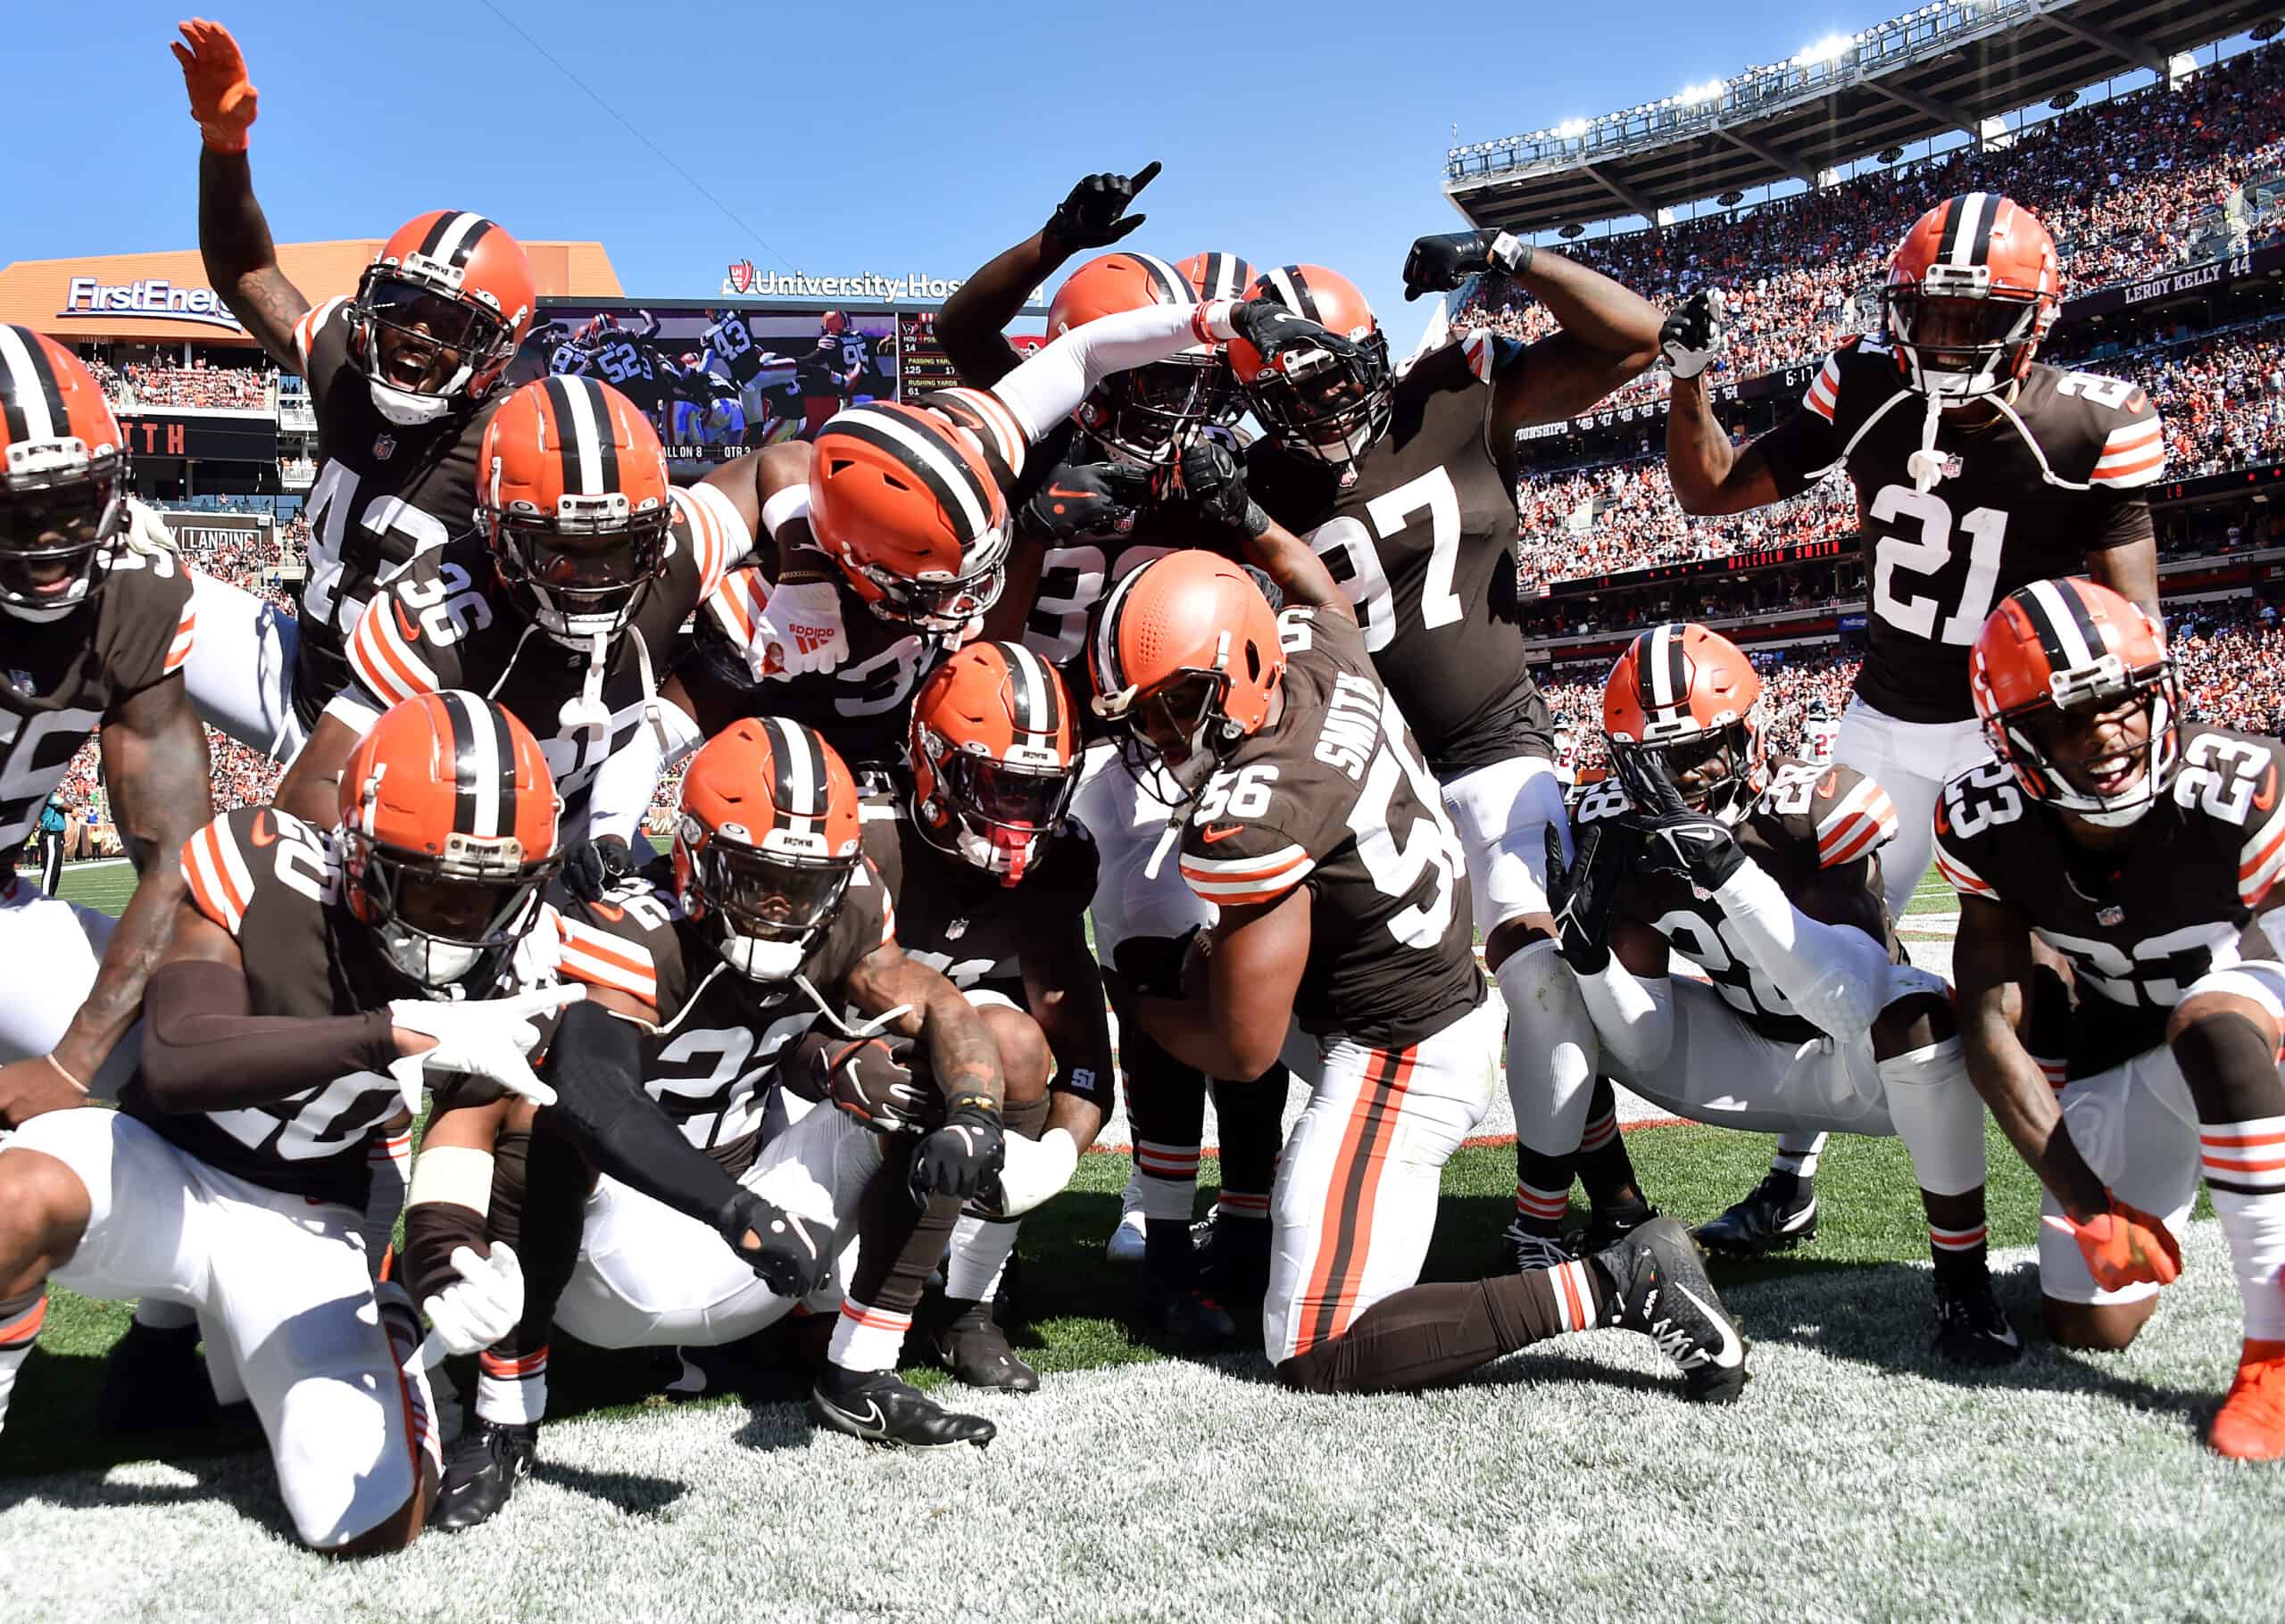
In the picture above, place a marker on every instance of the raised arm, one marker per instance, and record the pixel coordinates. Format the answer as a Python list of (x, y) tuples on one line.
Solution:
[(233, 234)]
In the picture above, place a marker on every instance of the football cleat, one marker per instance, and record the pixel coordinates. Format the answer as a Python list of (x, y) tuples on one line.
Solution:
[(2251, 1425), (881, 1408), (1232, 1259), (1608, 1226), (1660, 1289), (1781, 1212), (154, 1381), (1188, 1320), (1972, 1328), (976, 1351), (1126, 1240), (1523, 1250), (486, 1467)]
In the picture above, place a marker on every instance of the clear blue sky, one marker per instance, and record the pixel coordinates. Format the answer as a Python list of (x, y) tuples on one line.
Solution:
[(890, 138)]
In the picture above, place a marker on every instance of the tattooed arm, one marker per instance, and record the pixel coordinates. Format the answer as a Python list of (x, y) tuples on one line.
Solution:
[(960, 1047)]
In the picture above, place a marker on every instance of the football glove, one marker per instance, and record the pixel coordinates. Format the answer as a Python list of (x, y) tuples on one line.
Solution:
[(777, 1245), (483, 1306), (214, 72), (592, 869), (1581, 894), (964, 1156), (1086, 499), (864, 1081), (804, 618), (484, 1038), (1693, 844), (1094, 214), (1439, 263), (2123, 1247), (1293, 344), (1694, 336), (1209, 475)]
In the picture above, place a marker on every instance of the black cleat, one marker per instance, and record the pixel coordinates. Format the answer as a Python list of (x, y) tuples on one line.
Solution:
[(1607, 1227), (976, 1351), (1972, 1329), (1234, 1264), (1662, 1291), (1781, 1212), (1188, 1320), (1523, 1250), (485, 1467), (881, 1408), (154, 1381)]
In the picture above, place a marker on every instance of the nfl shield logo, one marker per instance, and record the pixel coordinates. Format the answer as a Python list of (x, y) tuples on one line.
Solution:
[(385, 447), (21, 680), (956, 930), (741, 275), (2110, 913)]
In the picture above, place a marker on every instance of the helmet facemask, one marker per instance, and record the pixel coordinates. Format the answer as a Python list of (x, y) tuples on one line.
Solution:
[(1716, 770), (936, 603), (449, 919), (585, 571), (1180, 731), (59, 511), (996, 815), (1149, 415), (767, 908), (2146, 766), (421, 347), (1332, 409), (1959, 338)]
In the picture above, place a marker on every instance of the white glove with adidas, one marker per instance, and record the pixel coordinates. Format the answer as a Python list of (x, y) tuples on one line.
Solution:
[(805, 620), (485, 1037)]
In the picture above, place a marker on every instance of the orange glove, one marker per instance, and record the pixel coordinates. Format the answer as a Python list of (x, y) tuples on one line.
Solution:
[(2125, 1246), (214, 70)]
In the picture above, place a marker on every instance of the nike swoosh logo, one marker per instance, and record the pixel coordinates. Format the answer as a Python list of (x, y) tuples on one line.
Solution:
[(871, 1418), (2265, 796), (1211, 835), (1733, 1352), (263, 830)]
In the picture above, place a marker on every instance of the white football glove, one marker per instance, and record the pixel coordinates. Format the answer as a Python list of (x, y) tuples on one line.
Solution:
[(1694, 336), (483, 1306), (804, 619), (486, 1037)]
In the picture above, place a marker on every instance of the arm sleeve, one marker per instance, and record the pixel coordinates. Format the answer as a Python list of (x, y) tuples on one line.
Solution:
[(1048, 387), (203, 1051), (1799, 449), (1634, 1017), (1834, 974), (595, 1066)]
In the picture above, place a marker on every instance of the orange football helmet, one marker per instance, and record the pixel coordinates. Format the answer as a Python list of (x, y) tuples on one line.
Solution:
[(63, 478), (2058, 646), (572, 493), (447, 834), (1334, 410), (906, 502), (993, 748), (1185, 658), (767, 843), (1147, 414), (834, 322), (1691, 696), (438, 314), (1972, 288)]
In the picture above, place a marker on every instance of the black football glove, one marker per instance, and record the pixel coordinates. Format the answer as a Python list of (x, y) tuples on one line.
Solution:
[(1694, 336), (787, 1254), (1095, 215), (1696, 845), (1151, 965), (865, 1081), (1293, 344), (1441, 263), (1086, 499), (1582, 894), (964, 1156), (593, 868), (1209, 475)]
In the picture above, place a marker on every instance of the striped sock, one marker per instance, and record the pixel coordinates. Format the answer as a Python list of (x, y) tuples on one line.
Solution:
[(512, 1390), (1167, 1179), (2245, 1173), (868, 1338), (1244, 1205), (21, 1318), (1797, 1154), (1540, 1211), (1958, 1252)]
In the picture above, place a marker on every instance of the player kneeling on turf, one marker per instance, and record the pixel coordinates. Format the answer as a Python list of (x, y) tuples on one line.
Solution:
[(1764, 872), (1311, 822)]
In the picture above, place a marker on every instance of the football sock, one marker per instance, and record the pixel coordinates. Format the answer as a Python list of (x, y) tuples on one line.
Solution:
[(21, 1318), (1605, 1169), (512, 1388), (1798, 1153), (1425, 1334), (897, 1249), (401, 1326), (980, 1248), (1248, 1119), (2244, 1164), (1550, 1078)]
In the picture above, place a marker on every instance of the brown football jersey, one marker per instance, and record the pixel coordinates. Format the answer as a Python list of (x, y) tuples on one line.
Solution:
[(1334, 797), (1809, 819), (1423, 540), (385, 494), (714, 1036), (2140, 922), (63, 677), (2024, 497)]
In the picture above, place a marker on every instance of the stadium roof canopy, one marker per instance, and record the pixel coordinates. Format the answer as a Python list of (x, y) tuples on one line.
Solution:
[(1944, 67)]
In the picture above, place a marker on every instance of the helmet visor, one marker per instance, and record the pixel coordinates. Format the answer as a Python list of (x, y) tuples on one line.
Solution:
[(585, 572), (770, 897), (943, 608), (417, 338), (1006, 797)]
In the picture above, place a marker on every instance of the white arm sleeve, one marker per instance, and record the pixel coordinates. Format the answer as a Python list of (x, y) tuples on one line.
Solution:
[(1049, 387), (1634, 1017), (1834, 975)]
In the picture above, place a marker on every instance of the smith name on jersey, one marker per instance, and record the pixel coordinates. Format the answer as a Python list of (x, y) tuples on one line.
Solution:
[(2139, 922), (1424, 542), (1334, 796), (2057, 473), (713, 1037), (1810, 818)]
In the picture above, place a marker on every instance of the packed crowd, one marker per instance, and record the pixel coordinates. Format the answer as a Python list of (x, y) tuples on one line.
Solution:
[(2169, 172), (198, 386)]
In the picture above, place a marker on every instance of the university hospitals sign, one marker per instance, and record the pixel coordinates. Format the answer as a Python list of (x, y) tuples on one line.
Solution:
[(151, 298), (744, 282)]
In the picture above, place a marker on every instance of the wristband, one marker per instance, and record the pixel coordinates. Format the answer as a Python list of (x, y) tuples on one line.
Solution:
[(1511, 255), (783, 509), (980, 1102), (67, 1076), (1210, 322)]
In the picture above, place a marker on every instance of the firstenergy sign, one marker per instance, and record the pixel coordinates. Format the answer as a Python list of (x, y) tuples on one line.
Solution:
[(152, 298)]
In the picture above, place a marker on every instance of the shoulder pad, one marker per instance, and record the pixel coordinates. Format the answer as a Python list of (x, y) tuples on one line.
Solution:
[(1979, 800), (1851, 814), (226, 862)]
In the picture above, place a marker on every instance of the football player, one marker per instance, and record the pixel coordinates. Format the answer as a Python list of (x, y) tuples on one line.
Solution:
[(312, 978), (2141, 847), (1978, 469), (1406, 488), (1819, 733), (992, 884), (770, 921), (1762, 872), (564, 606), (97, 629), (1321, 836), (828, 376)]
